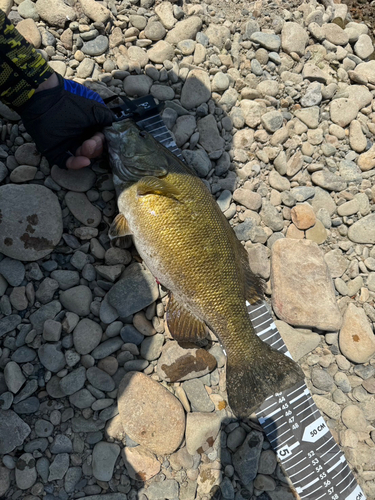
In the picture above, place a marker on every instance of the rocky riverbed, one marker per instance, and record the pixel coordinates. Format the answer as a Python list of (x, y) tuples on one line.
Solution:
[(272, 103)]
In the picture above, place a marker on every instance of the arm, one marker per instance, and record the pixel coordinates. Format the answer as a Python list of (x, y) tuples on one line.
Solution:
[(63, 117)]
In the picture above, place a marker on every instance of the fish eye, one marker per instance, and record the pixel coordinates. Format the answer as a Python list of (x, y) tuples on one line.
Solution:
[(142, 133)]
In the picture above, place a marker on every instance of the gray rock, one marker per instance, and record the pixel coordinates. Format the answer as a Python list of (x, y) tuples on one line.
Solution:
[(31, 221), (80, 180), (167, 489), (61, 444), (25, 471), (313, 95), (55, 12), (270, 216), (328, 180), (138, 286), (198, 397), (131, 335), (43, 428), (272, 121), (209, 137), (9, 323), (73, 382), (86, 336), (137, 85), (72, 478), (246, 458), (151, 347), (100, 380), (196, 89), (59, 467), (14, 377), (77, 300), (246, 230), (13, 271), (65, 279), (107, 348), (51, 357), (218, 35), (363, 231), (4, 478), (154, 30), (161, 51), (82, 399), (46, 290), (104, 457), (322, 380), (95, 47), (266, 40), (13, 431), (48, 311), (83, 209), (198, 160)]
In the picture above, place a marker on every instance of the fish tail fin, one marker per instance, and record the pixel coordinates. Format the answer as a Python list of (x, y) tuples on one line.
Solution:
[(250, 382)]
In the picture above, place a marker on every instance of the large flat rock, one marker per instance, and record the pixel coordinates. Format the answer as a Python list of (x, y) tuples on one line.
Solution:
[(30, 221), (302, 288)]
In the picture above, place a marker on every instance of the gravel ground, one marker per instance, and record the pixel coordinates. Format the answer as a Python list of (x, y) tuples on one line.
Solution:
[(273, 106)]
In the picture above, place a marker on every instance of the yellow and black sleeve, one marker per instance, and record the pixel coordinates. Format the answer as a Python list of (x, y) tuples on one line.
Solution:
[(22, 68)]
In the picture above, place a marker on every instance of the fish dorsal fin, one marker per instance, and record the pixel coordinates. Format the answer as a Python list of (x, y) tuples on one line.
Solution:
[(182, 324), (156, 186), (119, 227)]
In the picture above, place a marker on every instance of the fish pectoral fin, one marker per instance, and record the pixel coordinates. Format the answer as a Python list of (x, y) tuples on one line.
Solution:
[(119, 227), (182, 324), (160, 187)]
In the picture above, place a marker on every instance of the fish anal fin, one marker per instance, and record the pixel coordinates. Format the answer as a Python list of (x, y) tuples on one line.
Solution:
[(254, 286), (182, 324), (156, 186), (119, 227)]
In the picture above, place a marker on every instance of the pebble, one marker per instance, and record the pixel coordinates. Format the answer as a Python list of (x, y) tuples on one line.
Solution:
[(82, 209), (359, 346), (87, 336), (140, 463), (77, 300), (198, 396), (104, 457), (196, 89), (13, 431), (26, 474), (246, 458)]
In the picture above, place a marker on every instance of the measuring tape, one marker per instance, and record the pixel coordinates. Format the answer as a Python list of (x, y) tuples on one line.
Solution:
[(298, 433), (291, 420)]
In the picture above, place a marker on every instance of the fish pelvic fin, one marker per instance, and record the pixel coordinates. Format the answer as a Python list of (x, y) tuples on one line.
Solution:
[(254, 286), (156, 186), (119, 228), (182, 324), (249, 383)]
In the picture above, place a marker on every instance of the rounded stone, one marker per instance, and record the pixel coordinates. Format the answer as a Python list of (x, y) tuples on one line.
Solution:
[(303, 216), (104, 457), (80, 180), (86, 336), (30, 222), (82, 209), (356, 339), (25, 471), (77, 300), (149, 413)]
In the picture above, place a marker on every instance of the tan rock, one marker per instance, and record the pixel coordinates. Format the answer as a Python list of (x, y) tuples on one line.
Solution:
[(140, 463), (343, 111), (201, 431), (114, 429), (366, 161), (150, 414), (294, 233), (298, 342), (299, 265), (357, 138), (303, 216), (29, 30), (356, 339), (95, 11)]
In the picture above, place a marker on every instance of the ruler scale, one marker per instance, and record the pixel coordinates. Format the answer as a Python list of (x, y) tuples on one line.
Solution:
[(298, 433), (291, 420)]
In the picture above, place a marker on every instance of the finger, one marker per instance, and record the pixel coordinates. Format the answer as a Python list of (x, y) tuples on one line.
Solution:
[(92, 147), (77, 162)]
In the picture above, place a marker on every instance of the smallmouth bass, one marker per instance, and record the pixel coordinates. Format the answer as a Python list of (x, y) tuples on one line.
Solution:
[(188, 245)]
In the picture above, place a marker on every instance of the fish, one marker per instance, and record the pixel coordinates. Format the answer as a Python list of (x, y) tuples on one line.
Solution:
[(189, 246)]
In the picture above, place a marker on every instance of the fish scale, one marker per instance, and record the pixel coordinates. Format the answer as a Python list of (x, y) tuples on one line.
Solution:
[(292, 422)]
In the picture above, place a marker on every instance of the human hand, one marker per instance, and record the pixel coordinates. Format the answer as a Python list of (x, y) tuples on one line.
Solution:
[(64, 119)]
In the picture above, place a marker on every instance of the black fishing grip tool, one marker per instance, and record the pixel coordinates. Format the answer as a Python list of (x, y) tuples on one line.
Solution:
[(291, 420)]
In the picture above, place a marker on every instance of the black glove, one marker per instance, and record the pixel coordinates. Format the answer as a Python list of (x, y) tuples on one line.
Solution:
[(60, 119)]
